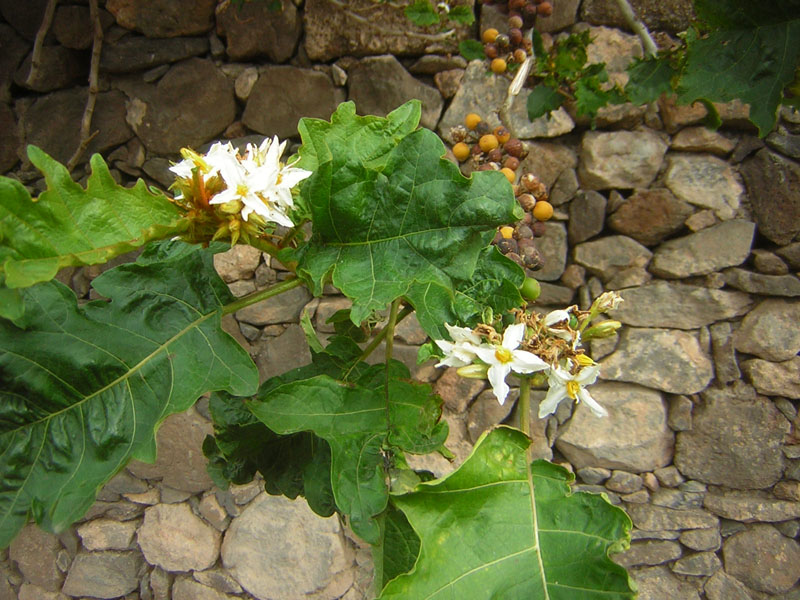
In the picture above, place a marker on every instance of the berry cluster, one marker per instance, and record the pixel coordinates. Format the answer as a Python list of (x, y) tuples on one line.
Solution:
[(505, 49), (495, 150)]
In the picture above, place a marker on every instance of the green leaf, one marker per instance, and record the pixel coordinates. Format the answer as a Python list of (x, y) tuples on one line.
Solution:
[(414, 222), (559, 550), (462, 14), (471, 50), (68, 225), (421, 12), (358, 420), (750, 64), (84, 388), (543, 100), (400, 544), (590, 93), (648, 79)]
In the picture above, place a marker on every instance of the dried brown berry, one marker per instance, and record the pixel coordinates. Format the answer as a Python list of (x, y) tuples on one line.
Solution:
[(545, 9), (512, 163), (490, 50), (515, 36), (514, 147), (527, 202)]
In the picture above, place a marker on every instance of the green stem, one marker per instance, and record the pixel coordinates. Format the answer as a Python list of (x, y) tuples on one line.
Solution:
[(378, 557), (524, 405), (376, 341), (291, 234), (279, 288), (389, 329)]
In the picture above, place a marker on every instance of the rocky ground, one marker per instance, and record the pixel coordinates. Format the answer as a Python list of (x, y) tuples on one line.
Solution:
[(698, 229)]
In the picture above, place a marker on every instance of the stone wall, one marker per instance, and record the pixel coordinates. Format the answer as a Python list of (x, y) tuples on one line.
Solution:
[(698, 230)]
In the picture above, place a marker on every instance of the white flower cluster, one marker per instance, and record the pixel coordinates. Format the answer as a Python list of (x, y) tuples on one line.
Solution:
[(258, 179), (567, 376)]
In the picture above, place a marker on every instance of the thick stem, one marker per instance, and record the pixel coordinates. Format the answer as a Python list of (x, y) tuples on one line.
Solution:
[(524, 405), (389, 329), (376, 341), (36, 56), (260, 295), (638, 27)]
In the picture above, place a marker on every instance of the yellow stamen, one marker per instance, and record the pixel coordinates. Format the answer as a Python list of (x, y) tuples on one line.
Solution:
[(584, 360), (573, 387), (503, 355)]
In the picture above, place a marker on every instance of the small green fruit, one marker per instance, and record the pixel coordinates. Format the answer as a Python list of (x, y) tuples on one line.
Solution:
[(530, 289)]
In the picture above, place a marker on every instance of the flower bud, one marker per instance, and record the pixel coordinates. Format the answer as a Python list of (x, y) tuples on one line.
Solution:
[(474, 371), (606, 301), (232, 207), (603, 329)]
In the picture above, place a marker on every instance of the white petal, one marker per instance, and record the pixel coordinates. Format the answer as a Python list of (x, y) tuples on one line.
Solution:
[(556, 316), (527, 362), (588, 375), (587, 399), (513, 336), (487, 354), (462, 334), (555, 394), (497, 378)]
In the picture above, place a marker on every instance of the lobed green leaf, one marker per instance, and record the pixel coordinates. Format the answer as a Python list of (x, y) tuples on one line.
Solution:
[(83, 388), (421, 12), (68, 225), (542, 100), (520, 534)]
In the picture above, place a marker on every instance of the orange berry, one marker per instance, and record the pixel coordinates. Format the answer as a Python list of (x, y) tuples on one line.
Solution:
[(472, 120), (508, 173), (499, 66), (502, 134), (507, 232), (543, 210), (489, 35), (488, 142), (461, 151)]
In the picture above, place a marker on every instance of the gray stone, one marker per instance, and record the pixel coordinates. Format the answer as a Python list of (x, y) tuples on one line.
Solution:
[(680, 413), (587, 213), (791, 254), (486, 412), (175, 539), (456, 391), (256, 29), (329, 306), (669, 476), (379, 84), (14, 50), (674, 305), (58, 68), (164, 18), (553, 248), (672, 498), (724, 245), (180, 463), (239, 262), (608, 256), (665, 359), (722, 586), (701, 220), (219, 579), (107, 534), (773, 185), (673, 16), (702, 540), (768, 285), (763, 559), (704, 181), (589, 441), (564, 14), (658, 583), (280, 354), (624, 482), (164, 125), (770, 330), (651, 552), (723, 353), (593, 475), (136, 53), (641, 534), (650, 216), (658, 518), (751, 507), (29, 591), (702, 139), (121, 510), (701, 564), (284, 94), (73, 28), (554, 295), (639, 497), (273, 535), (448, 82), (742, 457), (620, 159), (66, 107), (285, 308), (787, 490), (362, 28), (614, 48), (769, 263), (186, 588), (35, 552), (564, 188), (775, 379), (431, 64), (103, 574)]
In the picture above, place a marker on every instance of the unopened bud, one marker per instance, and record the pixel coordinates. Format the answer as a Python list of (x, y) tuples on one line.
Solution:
[(232, 207), (603, 329), (474, 371), (606, 301)]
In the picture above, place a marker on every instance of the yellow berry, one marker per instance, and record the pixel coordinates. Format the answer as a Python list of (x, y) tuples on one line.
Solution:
[(507, 232), (489, 35), (499, 66), (461, 151), (509, 174), (502, 134), (472, 120), (543, 210), (488, 142)]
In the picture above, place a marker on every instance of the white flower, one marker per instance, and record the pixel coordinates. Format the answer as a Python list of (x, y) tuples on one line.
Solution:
[(461, 351), (259, 181), (505, 358), (557, 324), (564, 384)]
